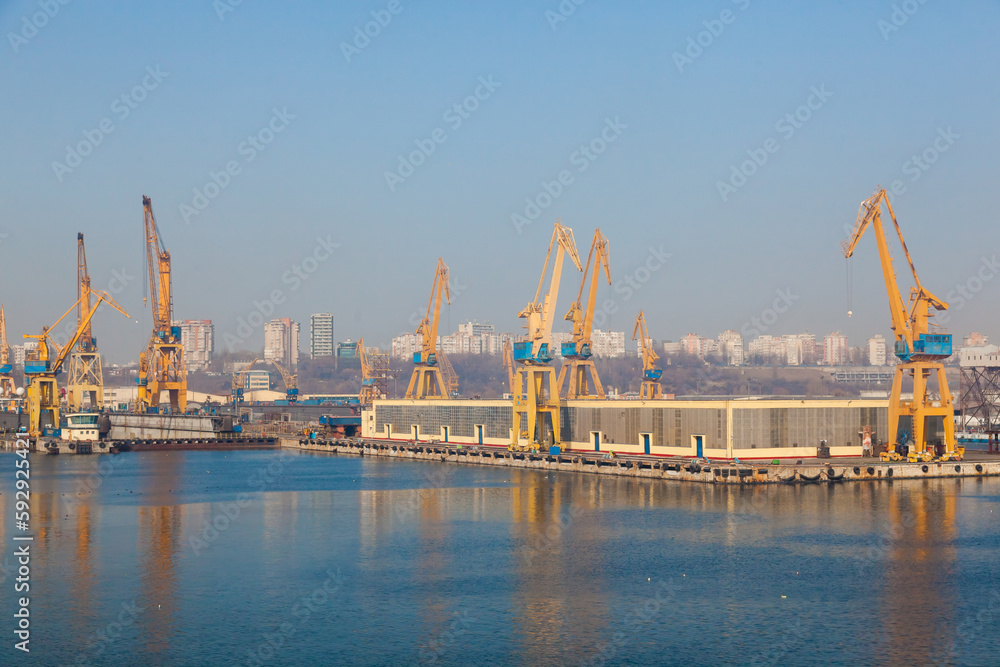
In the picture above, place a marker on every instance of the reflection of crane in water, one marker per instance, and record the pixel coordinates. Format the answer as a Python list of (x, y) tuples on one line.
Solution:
[(160, 530), (83, 572), (918, 599), (540, 524)]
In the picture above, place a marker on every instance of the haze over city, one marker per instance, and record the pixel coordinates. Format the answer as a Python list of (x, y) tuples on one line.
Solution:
[(287, 151)]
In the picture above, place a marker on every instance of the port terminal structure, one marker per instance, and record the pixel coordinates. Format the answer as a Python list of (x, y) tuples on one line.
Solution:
[(715, 428)]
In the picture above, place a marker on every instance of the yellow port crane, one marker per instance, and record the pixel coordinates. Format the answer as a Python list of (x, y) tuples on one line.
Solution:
[(508, 363), (161, 364), (369, 389), (289, 379), (577, 353), (650, 387), (85, 373), (42, 365), (536, 391), (919, 350), (6, 367), (428, 379)]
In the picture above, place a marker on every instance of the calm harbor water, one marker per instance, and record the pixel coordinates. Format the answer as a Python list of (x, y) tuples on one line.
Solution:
[(289, 558)]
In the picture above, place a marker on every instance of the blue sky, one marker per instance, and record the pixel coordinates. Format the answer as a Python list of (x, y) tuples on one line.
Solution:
[(199, 82)]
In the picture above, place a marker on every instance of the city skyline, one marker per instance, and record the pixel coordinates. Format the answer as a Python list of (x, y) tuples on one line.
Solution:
[(715, 204)]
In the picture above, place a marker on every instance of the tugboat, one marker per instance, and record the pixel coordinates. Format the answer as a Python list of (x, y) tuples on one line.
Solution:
[(80, 433)]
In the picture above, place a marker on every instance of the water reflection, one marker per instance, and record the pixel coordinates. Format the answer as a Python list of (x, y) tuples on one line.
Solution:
[(160, 530), (549, 565)]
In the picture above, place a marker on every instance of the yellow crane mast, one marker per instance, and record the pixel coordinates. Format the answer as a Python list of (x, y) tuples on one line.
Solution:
[(369, 389), (161, 364), (85, 373), (428, 380), (42, 364), (508, 363), (919, 350), (6, 367), (577, 353), (650, 387), (536, 391)]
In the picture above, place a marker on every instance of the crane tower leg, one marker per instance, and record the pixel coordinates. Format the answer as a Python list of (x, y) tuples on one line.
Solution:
[(536, 406), (923, 412), (426, 382), (573, 380)]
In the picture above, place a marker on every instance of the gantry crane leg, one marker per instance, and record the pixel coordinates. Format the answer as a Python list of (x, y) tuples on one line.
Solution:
[(650, 390), (920, 409), (426, 382), (576, 371), (43, 403), (536, 406)]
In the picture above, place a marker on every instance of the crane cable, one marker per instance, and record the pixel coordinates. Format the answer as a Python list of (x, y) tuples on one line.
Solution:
[(850, 286)]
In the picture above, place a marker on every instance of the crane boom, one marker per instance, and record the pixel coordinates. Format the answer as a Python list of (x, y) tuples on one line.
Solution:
[(45, 362), (158, 267), (6, 380), (540, 313), (83, 293), (5, 365), (289, 379), (574, 372), (508, 364), (910, 326), (368, 393), (44, 341)]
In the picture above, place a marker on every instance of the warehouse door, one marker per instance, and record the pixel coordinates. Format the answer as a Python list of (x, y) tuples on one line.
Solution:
[(698, 445)]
